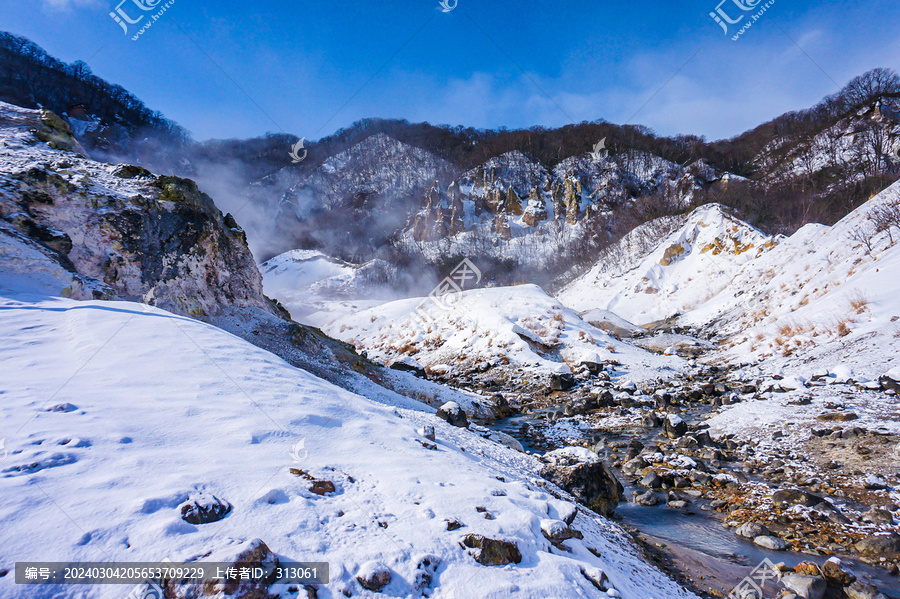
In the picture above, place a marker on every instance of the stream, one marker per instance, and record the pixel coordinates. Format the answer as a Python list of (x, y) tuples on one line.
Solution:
[(691, 544)]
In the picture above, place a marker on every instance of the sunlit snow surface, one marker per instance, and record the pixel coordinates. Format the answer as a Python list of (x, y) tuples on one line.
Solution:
[(162, 406)]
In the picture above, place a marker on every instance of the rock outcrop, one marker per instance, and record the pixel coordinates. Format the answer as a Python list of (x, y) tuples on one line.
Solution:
[(581, 473)]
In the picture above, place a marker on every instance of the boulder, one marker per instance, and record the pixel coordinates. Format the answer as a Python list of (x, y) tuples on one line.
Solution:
[(648, 499), (836, 574), (751, 530), (808, 587), (792, 497), (881, 543), (500, 406), (652, 480), (562, 381), (322, 487), (558, 531), (453, 414), (491, 552), (204, 508), (587, 478), (861, 590), (407, 364), (674, 427), (374, 576), (770, 542)]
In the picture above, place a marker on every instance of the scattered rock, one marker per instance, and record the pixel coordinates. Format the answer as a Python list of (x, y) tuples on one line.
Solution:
[(562, 381), (751, 530), (835, 572), (808, 587), (428, 432), (491, 552), (674, 427), (837, 417), (204, 508), (453, 414), (791, 497), (881, 543), (861, 590), (770, 542), (374, 576), (321, 487)]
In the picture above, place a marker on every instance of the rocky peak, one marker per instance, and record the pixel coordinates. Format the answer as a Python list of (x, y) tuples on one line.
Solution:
[(116, 231)]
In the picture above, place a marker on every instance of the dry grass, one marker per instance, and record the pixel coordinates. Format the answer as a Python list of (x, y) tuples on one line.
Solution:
[(842, 329), (859, 302)]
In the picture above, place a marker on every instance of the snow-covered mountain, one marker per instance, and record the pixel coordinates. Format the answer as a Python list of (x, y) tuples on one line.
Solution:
[(823, 296), (649, 276)]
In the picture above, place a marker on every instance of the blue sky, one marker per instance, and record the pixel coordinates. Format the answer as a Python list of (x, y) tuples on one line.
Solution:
[(311, 67)]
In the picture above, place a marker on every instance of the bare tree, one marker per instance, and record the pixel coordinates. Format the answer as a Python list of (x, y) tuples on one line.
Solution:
[(886, 217), (864, 237)]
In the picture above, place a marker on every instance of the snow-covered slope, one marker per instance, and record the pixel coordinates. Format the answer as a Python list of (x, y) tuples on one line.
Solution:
[(316, 288), (644, 280), (117, 415), (509, 328), (829, 294)]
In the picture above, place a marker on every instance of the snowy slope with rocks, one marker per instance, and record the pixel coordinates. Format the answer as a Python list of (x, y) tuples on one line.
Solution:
[(679, 272), (121, 416), (823, 297), (518, 330)]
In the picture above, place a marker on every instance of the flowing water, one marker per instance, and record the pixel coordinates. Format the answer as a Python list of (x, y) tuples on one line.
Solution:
[(698, 536)]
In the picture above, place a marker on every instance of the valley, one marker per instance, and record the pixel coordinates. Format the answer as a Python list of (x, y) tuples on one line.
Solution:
[(449, 362)]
